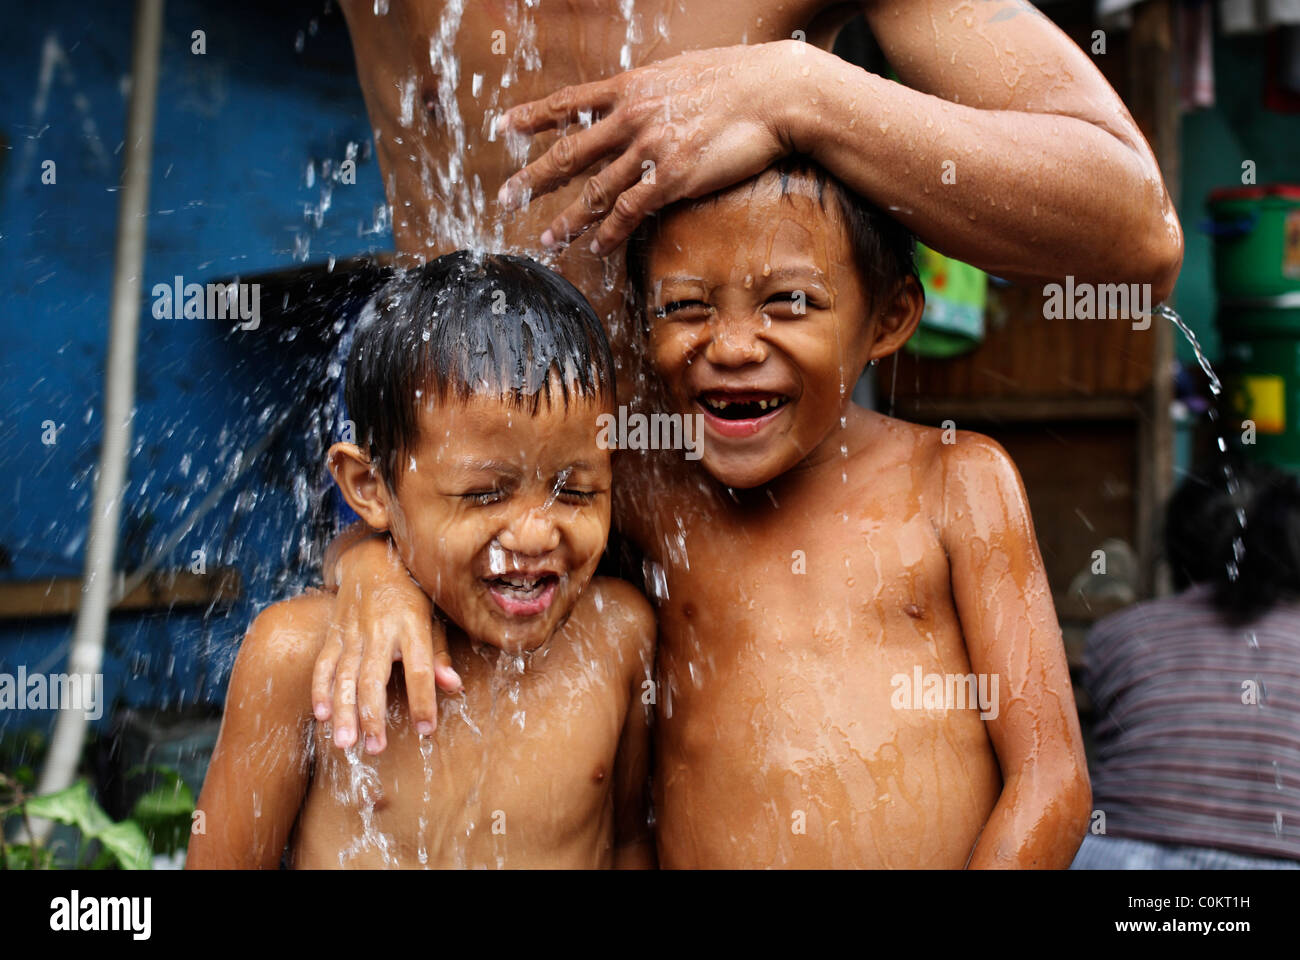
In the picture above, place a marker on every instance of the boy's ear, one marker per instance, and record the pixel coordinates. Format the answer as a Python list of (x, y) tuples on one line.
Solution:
[(898, 320), (360, 484)]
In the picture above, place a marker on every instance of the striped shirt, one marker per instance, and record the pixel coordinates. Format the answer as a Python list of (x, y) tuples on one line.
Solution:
[(1197, 725)]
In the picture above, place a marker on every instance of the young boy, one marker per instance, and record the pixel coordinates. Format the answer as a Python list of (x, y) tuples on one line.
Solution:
[(860, 663), (474, 387)]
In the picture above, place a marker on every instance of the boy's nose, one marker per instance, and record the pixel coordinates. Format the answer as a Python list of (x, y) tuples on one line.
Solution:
[(531, 534), (734, 342)]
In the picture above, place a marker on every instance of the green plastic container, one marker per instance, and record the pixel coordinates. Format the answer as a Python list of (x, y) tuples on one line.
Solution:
[(1261, 349), (1256, 234), (955, 297)]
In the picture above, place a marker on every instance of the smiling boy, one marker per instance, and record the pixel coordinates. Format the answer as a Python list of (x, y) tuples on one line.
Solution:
[(832, 548), (479, 458), (817, 551)]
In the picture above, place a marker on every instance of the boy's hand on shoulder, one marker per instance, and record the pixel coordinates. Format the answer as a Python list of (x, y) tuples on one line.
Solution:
[(380, 616)]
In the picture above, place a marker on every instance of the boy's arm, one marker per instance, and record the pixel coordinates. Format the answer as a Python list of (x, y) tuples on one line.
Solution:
[(259, 771), (1008, 149), (379, 616), (1009, 621), (634, 847)]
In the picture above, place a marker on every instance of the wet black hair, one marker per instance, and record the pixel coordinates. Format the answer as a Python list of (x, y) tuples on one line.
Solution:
[(467, 324), (884, 249), (1205, 538)]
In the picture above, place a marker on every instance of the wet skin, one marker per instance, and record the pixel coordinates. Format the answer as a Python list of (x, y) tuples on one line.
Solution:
[(542, 759), (1010, 210), (840, 557), (1052, 176), (810, 562)]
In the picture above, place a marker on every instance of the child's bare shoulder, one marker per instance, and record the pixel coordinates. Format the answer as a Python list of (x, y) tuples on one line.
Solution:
[(284, 640), (980, 487), (622, 613), (943, 453), (977, 462)]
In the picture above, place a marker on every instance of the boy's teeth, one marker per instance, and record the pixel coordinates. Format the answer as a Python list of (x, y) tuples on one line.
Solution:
[(716, 403)]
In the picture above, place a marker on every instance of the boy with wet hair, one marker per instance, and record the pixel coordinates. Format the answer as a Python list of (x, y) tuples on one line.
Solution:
[(839, 592), (475, 383)]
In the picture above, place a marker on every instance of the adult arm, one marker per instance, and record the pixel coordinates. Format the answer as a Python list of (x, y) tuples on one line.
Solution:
[(1007, 148)]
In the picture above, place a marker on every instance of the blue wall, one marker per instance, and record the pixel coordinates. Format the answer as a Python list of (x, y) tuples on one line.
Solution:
[(237, 128)]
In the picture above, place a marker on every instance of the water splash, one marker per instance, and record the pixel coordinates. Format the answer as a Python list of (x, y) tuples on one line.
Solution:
[(361, 792), (1233, 565)]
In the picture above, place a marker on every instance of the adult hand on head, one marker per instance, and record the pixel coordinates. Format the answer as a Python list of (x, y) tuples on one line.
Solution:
[(381, 616), (683, 127)]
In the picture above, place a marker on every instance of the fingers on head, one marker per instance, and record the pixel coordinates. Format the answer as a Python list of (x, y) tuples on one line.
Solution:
[(631, 207)]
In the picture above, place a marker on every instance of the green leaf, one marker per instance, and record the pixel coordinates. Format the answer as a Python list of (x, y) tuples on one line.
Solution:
[(168, 776), (163, 802), (72, 805), (129, 844), (20, 857), (76, 806)]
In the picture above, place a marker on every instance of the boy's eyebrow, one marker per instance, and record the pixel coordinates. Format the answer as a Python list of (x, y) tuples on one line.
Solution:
[(782, 273), (796, 273), (678, 278), (489, 466)]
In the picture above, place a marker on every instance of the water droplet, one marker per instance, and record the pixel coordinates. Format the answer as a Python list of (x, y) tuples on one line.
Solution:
[(496, 558)]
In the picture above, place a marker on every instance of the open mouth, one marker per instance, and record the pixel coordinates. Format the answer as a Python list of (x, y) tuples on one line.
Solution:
[(740, 414), (523, 594)]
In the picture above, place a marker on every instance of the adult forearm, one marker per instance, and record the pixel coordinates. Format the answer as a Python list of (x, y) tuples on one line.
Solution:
[(1026, 196)]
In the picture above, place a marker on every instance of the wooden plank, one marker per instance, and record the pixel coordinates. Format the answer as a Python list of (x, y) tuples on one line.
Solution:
[(965, 410), (1080, 478), (1153, 101), (1026, 355), (165, 590)]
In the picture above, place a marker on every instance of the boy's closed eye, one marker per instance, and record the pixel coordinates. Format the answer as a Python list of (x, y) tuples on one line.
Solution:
[(789, 304), (684, 310), (578, 496), (484, 498), (571, 493)]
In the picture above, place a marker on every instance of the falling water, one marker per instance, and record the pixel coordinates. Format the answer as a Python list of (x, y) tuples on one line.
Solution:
[(1229, 475), (361, 792), (1233, 489)]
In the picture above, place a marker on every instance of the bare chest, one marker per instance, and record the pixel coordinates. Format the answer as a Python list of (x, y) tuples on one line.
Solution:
[(516, 775), (818, 605)]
